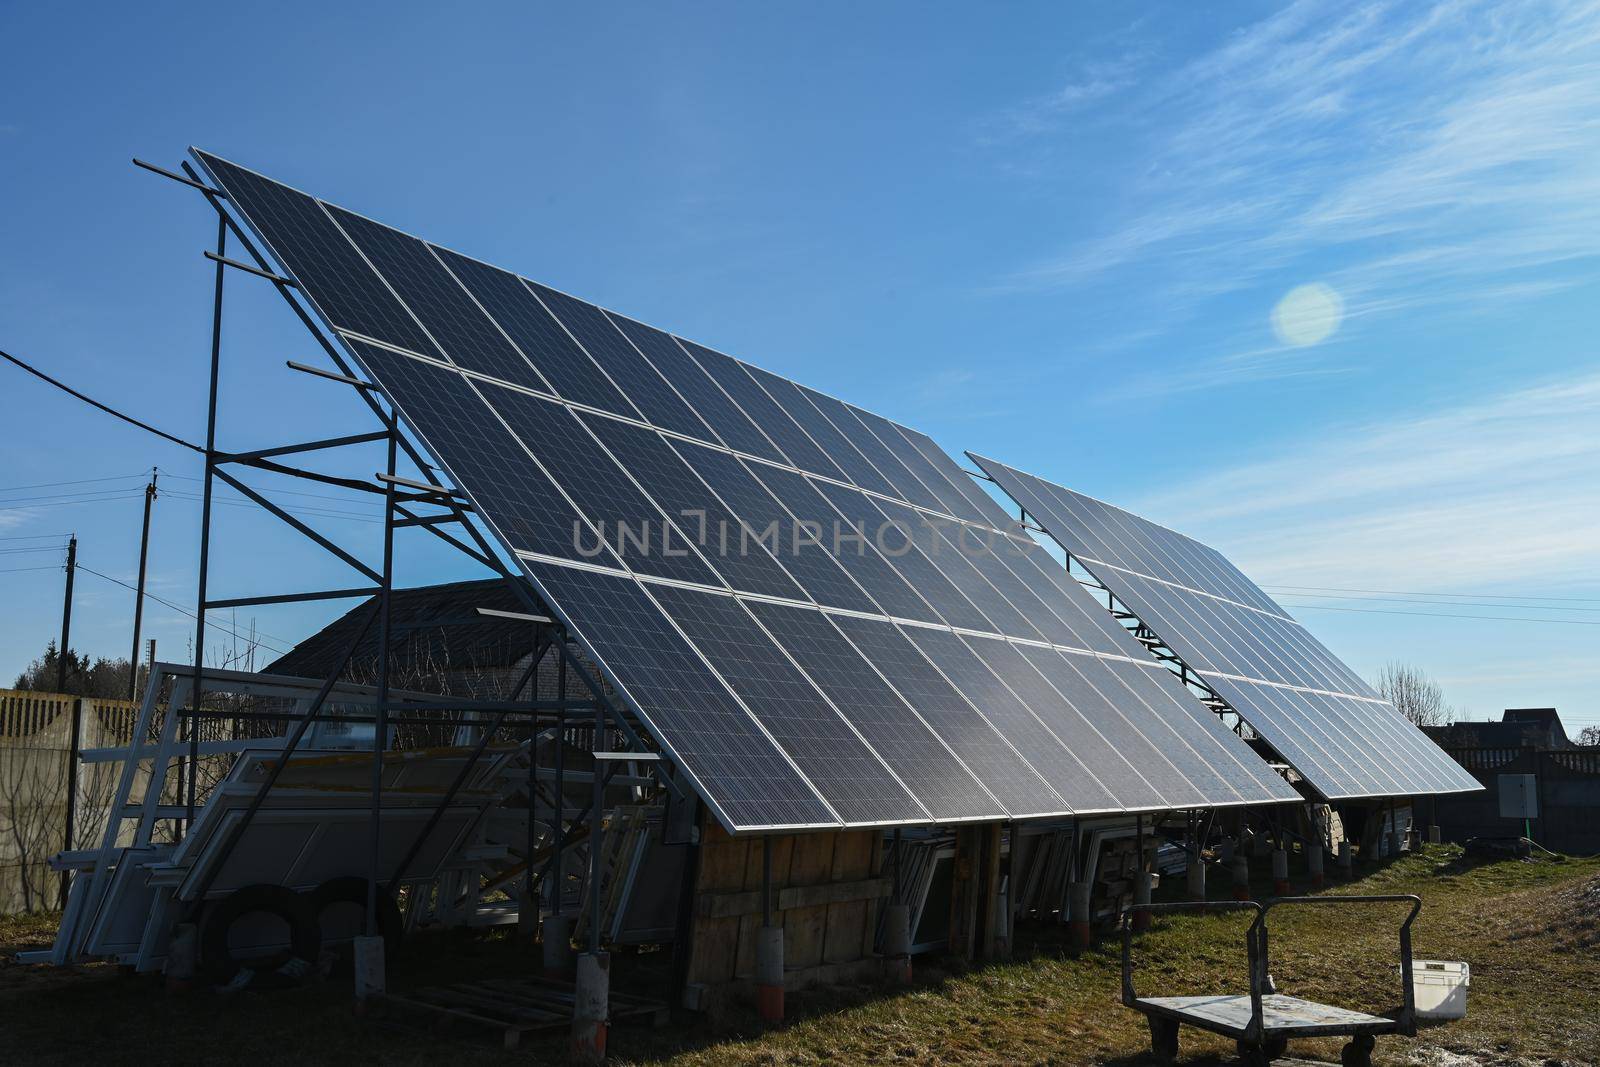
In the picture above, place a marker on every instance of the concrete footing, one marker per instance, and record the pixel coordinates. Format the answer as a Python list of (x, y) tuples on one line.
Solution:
[(182, 954), (897, 943), (369, 968), (1195, 878), (591, 1008), (1241, 877), (1002, 927), (769, 973), (1345, 859), (557, 946), (1078, 913), (1314, 858), (1434, 835), (1144, 884), (1280, 872)]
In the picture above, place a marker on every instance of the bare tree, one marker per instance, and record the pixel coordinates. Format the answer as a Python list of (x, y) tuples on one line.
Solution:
[(1418, 697), (1589, 735)]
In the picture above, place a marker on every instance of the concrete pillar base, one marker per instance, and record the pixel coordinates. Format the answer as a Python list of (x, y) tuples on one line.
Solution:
[(1078, 913), (369, 968), (1435, 837), (1346, 861), (1241, 877), (1143, 886), (769, 973), (1195, 878), (182, 953), (591, 1008), (557, 946), (1280, 872), (1314, 860), (897, 943)]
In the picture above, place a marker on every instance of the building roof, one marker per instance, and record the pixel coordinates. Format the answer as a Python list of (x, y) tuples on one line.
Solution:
[(461, 639), (1538, 727)]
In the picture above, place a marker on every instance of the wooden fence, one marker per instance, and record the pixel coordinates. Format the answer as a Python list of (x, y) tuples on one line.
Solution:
[(1568, 790)]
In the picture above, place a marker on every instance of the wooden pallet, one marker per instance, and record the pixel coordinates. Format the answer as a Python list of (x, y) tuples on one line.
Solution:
[(518, 1006)]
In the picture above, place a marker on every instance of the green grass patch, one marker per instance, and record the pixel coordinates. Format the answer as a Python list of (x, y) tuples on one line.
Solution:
[(1530, 930)]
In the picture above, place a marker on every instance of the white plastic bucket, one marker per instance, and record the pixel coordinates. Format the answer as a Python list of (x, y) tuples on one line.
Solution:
[(1440, 987)]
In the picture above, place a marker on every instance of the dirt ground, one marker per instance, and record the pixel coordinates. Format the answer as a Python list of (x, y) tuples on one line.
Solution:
[(1529, 929)]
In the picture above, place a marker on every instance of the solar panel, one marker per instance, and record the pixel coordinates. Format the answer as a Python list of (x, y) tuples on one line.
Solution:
[(1337, 734), (811, 564)]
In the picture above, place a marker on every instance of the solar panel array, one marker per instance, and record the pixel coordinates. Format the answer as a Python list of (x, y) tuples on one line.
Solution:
[(814, 612), (1344, 739)]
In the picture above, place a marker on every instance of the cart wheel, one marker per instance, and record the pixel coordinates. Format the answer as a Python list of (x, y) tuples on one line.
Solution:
[(1358, 1053), (1163, 1038)]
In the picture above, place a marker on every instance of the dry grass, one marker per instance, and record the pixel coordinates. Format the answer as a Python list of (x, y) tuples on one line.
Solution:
[(1528, 929)]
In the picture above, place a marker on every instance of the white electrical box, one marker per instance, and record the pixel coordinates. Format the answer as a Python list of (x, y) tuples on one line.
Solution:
[(1519, 796)]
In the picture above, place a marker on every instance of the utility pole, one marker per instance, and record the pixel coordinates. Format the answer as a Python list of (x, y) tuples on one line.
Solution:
[(77, 708), (66, 616), (138, 598)]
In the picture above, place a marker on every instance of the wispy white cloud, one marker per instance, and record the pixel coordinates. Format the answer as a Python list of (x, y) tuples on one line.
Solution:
[(1502, 489), (1417, 154), (1091, 85)]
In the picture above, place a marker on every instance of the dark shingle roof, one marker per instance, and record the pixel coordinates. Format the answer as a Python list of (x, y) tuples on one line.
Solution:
[(478, 643)]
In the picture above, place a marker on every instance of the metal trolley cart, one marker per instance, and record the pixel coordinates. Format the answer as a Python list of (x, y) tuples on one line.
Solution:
[(1262, 1021)]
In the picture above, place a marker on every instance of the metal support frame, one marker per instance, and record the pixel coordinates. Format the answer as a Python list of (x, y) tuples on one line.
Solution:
[(403, 497)]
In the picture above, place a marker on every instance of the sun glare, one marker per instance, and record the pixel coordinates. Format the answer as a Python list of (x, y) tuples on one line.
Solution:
[(1307, 314)]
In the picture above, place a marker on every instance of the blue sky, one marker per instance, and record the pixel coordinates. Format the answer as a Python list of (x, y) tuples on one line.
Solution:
[(1055, 234)]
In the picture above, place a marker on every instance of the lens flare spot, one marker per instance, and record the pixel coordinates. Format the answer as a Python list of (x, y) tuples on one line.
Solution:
[(1307, 314)]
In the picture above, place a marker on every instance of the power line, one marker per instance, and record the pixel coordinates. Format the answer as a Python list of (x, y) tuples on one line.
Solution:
[(19, 570), (31, 537), (1443, 615), (78, 481), (123, 495), (1416, 592), (185, 611), (1442, 603), (61, 496), (37, 373), (241, 502)]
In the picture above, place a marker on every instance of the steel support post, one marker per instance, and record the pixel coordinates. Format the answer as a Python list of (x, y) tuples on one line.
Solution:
[(380, 729), (597, 812), (197, 695)]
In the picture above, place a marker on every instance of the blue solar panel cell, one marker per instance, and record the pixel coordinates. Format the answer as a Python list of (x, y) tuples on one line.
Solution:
[(729, 425), (452, 318), (891, 726), (328, 267), (566, 369), (819, 523), (735, 379), (629, 521), (483, 456), (634, 375), (1295, 693), (968, 732), (737, 767), (704, 518), (832, 757)]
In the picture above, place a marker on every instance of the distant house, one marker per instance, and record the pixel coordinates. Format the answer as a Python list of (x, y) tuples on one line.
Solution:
[(1526, 741), (438, 644), (1538, 728)]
